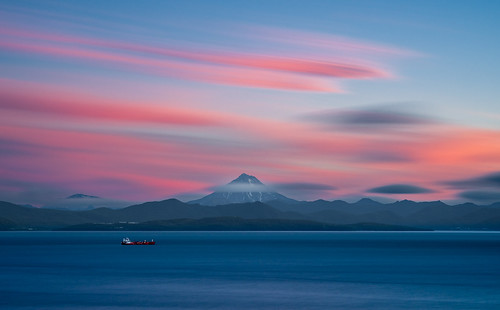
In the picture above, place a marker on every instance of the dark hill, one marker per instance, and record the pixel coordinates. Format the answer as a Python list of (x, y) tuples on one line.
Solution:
[(18, 217), (25, 217)]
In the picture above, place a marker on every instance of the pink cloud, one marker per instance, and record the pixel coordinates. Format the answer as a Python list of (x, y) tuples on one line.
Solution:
[(272, 149), (188, 71), (13, 96), (78, 159), (141, 168), (322, 41), (441, 145), (286, 72), (284, 63), (152, 166), (53, 101), (465, 147)]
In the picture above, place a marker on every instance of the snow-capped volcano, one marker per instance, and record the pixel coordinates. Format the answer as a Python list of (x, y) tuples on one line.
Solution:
[(245, 188), (245, 178)]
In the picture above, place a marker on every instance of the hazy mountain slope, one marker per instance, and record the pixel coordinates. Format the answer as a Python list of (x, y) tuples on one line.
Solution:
[(24, 216)]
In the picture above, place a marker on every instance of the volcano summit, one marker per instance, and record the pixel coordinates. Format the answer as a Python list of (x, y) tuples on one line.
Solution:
[(245, 188)]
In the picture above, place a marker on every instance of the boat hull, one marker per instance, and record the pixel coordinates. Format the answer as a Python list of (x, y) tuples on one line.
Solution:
[(138, 242)]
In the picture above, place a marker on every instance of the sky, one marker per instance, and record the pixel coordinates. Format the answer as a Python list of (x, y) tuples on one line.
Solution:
[(148, 100)]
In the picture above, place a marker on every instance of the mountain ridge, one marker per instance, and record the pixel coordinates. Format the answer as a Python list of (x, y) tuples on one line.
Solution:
[(422, 215)]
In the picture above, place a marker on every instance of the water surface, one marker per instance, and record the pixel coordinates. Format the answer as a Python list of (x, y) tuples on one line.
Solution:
[(250, 270)]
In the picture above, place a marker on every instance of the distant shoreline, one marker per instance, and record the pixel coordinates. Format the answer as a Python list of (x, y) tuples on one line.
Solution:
[(235, 224)]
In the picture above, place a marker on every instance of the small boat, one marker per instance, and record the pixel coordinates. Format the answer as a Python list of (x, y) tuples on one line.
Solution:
[(126, 241)]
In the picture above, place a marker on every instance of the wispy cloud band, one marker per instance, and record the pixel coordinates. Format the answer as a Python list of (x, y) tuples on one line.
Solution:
[(285, 71)]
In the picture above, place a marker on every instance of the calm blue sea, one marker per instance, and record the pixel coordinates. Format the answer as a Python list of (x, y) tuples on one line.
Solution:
[(250, 270)]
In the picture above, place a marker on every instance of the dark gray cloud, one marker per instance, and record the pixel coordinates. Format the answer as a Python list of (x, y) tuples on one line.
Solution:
[(239, 188), (491, 180), (481, 195), (303, 186), (484, 188), (382, 116), (296, 186), (303, 190), (399, 189), (383, 156), (374, 117), (87, 203), (25, 192)]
